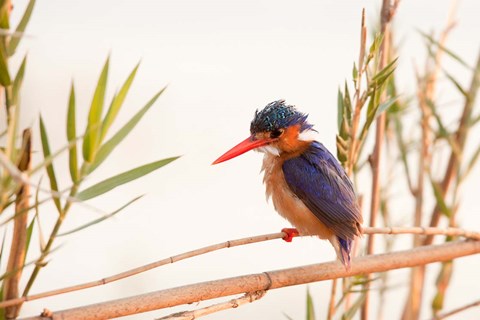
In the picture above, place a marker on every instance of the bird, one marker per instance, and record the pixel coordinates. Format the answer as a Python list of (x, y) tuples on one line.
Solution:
[(305, 182)]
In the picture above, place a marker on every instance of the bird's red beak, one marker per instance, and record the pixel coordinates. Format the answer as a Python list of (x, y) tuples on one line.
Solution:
[(244, 146)]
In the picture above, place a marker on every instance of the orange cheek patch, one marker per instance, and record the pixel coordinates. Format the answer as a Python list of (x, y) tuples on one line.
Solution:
[(289, 140)]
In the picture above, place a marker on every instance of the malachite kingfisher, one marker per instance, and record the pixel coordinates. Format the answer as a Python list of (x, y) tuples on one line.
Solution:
[(306, 183)]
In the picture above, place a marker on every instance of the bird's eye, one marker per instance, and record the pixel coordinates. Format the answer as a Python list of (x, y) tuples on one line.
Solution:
[(276, 133)]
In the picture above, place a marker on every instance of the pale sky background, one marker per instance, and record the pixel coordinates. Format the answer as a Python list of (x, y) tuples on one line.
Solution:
[(221, 60)]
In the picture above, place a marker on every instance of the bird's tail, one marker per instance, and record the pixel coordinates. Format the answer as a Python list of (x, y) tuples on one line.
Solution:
[(345, 246)]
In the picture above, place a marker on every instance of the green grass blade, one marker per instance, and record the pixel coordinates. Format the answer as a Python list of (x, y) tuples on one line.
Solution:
[(5, 79), (3, 245), (49, 167), (437, 192), (92, 133), (117, 103), (310, 308), (383, 75), (287, 316), (111, 144), (471, 163), (442, 284), (72, 136), (444, 49), (350, 313), (385, 106), (456, 84), (94, 222), (22, 25), (29, 237), (17, 82), (340, 109), (122, 178)]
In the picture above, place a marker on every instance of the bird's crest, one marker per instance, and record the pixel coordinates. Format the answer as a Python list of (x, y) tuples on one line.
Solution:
[(277, 115)]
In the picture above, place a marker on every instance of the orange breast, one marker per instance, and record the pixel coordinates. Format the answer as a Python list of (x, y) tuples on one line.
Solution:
[(287, 204)]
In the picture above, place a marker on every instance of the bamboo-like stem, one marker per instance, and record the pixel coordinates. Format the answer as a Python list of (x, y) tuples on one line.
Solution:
[(425, 94), (354, 148), (53, 234), (458, 310), (19, 238), (331, 304), (248, 297), (147, 267), (460, 138), (387, 12), (266, 281), (230, 244)]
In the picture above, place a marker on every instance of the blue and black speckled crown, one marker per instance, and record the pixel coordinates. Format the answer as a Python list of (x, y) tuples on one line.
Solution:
[(278, 115)]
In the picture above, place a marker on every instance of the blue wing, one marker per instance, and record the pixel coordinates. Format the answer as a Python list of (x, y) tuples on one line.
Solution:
[(317, 179)]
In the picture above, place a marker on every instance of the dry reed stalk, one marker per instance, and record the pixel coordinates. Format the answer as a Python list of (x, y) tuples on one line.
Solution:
[(265, 281), (18, 247), (387, 12), (229, 244), (248, 297), (426, 92)]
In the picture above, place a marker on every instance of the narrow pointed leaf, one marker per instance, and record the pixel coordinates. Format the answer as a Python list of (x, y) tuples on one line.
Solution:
[(29, 237), (4, 74), (37, 204), (22, 25), (386, 105), (471, 163), (91, 223), (49, 167), (355, 72), (111, 144), (116, 181), (310, 308), (383, 75), (350, 313), (72, 136), (440, 199), (376, 43), (340, 109), (442, 283), (3, 245), (348, 105), (444, 49), (17, 82), (92, 133), (456, 84), (117, 103), (287, 316)]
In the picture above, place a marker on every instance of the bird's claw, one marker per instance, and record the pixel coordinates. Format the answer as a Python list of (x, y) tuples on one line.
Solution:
[(290, 233)]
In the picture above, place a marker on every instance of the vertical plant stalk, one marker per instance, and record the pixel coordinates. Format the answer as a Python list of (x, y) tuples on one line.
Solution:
[(460, 138), (453, 164), (48, 247), (425, 94), (18, 247), (354, 143), (387, 13)]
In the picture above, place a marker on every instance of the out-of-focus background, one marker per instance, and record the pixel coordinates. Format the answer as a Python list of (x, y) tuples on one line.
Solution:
[(221, 61)]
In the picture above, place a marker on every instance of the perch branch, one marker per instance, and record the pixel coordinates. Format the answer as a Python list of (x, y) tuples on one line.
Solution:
[(266, 281), (229, 244)]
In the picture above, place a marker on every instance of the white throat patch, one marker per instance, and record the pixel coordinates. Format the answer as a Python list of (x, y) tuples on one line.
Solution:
[(269, 149), (308, 135)]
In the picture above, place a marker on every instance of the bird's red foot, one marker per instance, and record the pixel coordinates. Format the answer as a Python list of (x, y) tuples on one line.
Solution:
[(290, 234)]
